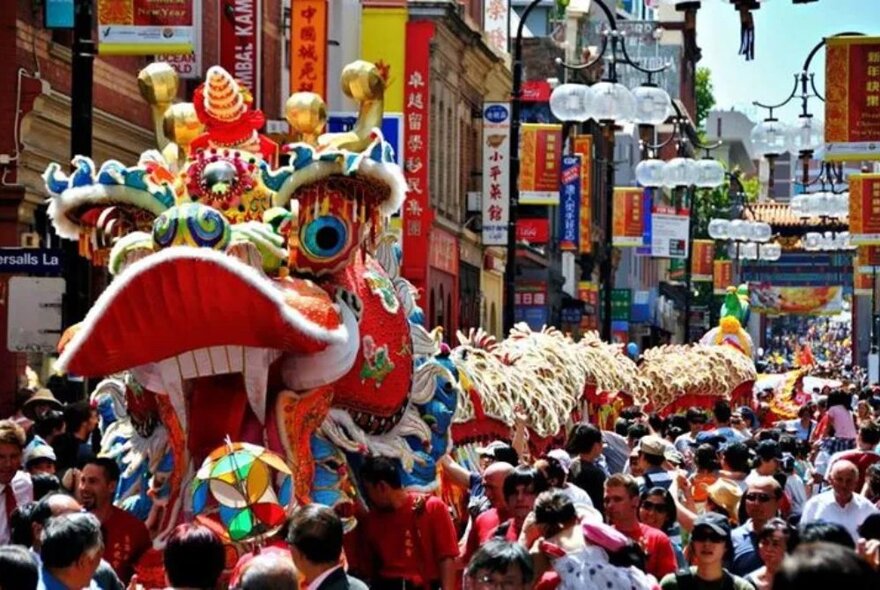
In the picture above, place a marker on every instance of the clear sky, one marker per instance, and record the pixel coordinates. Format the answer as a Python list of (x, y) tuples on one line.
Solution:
[(784, 35)]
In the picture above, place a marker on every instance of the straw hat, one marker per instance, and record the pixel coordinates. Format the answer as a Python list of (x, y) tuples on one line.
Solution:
[(42, 396), (726, 494)]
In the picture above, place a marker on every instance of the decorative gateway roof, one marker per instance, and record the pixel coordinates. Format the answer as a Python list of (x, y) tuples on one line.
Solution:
[(780, 215)]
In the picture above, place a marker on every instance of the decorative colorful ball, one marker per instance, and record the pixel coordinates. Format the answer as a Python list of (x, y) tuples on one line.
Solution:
[(240, 478), (191, 224)]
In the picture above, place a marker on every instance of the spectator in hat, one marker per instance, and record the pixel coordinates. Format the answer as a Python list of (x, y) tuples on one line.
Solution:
[(16, 487), (49, 427), (653, 452), (39, 457), (709, 544), (38, 404)]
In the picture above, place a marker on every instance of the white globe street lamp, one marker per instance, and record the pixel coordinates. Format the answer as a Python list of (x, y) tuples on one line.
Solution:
[(652, 105), (649, 172), (770, 138), (571, 102)]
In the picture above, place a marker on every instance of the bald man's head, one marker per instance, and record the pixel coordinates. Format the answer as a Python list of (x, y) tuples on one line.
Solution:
[(269, 571), (493, 483), (844, 479)]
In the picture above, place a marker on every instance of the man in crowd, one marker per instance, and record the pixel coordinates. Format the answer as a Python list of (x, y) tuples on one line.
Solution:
[(585, 446), (71, 551), (74, 448), (723, 428), (125, 537), (315, 539), (521, 487), (495, 452), (840, 504), (59, 504), (687, 442), (621, 512), (190, 544), (16, 488), (406, 540), (652, 456), (501, 564), (485, 525), (762, 503), (269, 572)]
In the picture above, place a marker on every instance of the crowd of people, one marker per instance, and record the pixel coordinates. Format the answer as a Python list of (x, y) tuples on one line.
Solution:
[(722, 499)]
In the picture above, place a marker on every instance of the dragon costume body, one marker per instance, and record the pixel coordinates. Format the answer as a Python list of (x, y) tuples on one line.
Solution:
[(260, 303)]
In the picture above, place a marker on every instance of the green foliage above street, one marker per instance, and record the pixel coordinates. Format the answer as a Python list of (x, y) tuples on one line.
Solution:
[(705, 95)]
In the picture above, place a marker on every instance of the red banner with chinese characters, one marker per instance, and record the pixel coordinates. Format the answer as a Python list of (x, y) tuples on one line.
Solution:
[(701, 261), (629, 216), (240, 32), (723, 276), (583, 145), (533, 231), (852, 92), (864, 209), (540, 150), (417, 215), (588, 292), (308, 46)]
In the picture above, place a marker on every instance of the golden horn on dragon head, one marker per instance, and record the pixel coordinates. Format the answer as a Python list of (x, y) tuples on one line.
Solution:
[(362, 82), (158, 85)]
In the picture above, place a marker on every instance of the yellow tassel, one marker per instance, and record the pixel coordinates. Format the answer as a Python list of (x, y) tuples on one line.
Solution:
[(325, 206)]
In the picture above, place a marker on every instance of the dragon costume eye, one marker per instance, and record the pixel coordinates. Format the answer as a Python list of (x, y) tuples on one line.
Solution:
[(325, 237)]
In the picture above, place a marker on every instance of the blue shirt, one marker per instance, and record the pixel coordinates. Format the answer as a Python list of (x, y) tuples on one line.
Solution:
[(745, 550), (50, 582)]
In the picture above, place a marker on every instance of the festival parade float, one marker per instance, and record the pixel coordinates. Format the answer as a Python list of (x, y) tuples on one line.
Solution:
[(258, 341)]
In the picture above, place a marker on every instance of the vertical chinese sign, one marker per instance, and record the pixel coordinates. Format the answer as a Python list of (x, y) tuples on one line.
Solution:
[(569, 214), (417, 217), (864, 209), (496, 23), (628, 217), (540, 150), (240, 31), (702, 261), (852, 92), (308, 46), (588, 292), (145, 27), (583, 146), (496, 173), (723, 276), (866, 264)]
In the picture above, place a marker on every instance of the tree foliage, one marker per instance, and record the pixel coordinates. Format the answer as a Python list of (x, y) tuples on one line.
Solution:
[(705, 95)]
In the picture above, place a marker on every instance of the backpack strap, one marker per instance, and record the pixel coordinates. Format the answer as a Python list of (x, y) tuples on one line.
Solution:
[(728, 583), (647, 480)]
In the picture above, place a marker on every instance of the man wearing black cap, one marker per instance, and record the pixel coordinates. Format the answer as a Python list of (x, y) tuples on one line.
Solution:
[(710, 542)]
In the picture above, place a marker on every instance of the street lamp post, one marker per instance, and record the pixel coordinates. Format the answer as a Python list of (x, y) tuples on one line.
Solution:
[(608, 102), (513, 204)]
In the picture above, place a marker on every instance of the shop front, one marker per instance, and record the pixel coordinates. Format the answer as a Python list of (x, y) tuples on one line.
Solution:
[(443, 282)]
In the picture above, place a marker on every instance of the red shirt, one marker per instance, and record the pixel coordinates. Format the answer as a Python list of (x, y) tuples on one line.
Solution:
[(406, 545), (660, 558), (125, 540)]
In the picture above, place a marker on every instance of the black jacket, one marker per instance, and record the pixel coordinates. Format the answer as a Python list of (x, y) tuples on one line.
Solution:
[(339, 580)]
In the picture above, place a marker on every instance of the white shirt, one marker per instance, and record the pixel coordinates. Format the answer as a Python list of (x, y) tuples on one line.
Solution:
[(313, 585), (23, 489), (577, 496), (824, 507)]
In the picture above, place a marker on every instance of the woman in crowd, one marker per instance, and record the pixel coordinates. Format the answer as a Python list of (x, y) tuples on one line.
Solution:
[(710, 543), (775, 540), (657, 509)]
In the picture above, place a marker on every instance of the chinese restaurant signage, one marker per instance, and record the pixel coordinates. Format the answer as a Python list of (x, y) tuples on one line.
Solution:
[(496, 173), (852, 98)]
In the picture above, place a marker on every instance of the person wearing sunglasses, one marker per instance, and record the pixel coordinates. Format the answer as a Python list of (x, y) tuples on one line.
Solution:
[(761, 504), (709, 544), (657, 509)]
